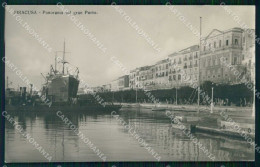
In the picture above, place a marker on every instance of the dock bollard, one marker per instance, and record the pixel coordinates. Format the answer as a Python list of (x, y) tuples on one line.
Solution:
[(192, 128)]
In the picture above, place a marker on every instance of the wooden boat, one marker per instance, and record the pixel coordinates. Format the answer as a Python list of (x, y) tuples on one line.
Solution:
[(158, 109)]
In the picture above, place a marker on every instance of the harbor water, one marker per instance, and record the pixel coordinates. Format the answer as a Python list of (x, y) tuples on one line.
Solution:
[(112, 138)]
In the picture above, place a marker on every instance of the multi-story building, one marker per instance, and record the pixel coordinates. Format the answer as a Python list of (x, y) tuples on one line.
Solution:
[(219, 46), (106, 87), (134, 78), (160, 73), (190, 64), (121, 83), (146, 76), (248, 54), (141, 77), (174, 71), (184, 66), (114, 85), (235, 47)]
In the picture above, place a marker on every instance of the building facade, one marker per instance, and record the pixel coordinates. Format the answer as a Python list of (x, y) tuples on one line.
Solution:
[(216, 59), (119, 84), (123, 82), (146, 77), (161, 72), (248, 54), (219, 49), (184, 67), (106, 87), (134, 78)]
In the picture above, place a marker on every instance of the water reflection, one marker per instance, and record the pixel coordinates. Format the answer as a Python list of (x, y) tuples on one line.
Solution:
[(113, 139)]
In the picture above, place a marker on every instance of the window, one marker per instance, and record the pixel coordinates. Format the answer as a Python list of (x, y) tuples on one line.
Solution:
[(226, 42), (214, 44), (179, 77), (219, 71), (190, 57), (185, 65), (170, 78), (204, 48), (166, 73), (173, 77), (235, 60), (219, 43), (179, 61), (236, 41), (208, 62)]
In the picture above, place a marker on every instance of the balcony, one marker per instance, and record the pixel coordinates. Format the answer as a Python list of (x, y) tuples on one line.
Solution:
[(231, 46)]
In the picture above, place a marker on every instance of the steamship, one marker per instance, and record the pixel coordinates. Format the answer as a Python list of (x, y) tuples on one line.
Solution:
[(59, 92)]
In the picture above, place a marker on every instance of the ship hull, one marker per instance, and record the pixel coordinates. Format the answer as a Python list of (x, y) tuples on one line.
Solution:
[(64, 108), (62, 88)]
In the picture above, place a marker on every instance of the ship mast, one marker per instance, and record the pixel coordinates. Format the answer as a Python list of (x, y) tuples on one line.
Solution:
[(63, 63), (55, 63), (199, 69), (7, 83)]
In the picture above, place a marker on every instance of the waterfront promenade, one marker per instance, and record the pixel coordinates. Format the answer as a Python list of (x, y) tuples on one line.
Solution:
[(213, 122), (230, 109)]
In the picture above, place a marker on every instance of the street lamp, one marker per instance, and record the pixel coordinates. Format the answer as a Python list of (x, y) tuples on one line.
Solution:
[(212, 101), (176, 96), (212, 105)]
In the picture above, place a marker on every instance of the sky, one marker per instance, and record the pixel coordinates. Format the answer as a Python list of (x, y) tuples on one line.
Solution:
[(116, 34)]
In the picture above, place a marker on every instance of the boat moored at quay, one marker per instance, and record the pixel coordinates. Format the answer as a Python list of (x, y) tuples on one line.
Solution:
[(59, 92)]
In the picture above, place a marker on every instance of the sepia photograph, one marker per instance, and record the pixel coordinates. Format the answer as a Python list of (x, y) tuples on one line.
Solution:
[(123, 83)]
